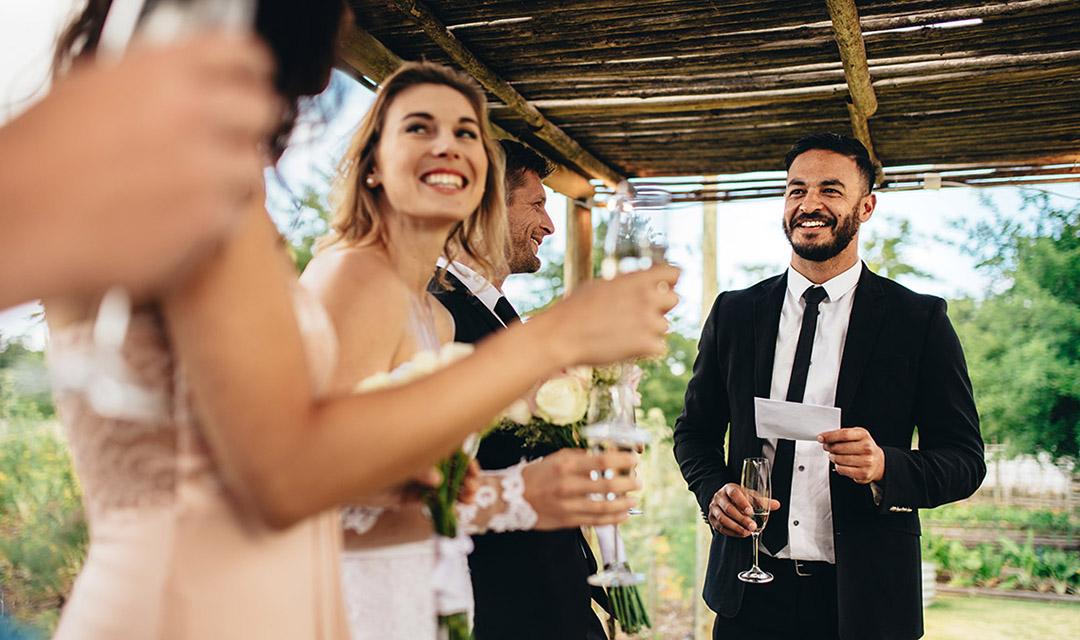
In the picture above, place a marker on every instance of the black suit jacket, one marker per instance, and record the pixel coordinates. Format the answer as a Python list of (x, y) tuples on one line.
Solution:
[(902, 368), (526, 584)]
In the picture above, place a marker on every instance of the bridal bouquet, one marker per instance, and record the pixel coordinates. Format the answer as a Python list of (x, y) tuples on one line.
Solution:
[(554, 416), (452, 585), (555, 413)]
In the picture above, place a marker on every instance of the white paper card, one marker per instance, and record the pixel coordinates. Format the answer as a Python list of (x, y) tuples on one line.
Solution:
[(779, 419)]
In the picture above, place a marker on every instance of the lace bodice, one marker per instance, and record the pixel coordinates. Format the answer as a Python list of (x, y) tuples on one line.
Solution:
[(126, 463)]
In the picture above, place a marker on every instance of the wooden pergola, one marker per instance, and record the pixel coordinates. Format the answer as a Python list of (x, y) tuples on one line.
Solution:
[(943, 92)]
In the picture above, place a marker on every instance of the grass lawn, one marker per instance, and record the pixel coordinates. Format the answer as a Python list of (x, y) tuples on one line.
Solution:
[(966, 617)]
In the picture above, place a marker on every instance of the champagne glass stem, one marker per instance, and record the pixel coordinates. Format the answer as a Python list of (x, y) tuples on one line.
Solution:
[(756, 567)]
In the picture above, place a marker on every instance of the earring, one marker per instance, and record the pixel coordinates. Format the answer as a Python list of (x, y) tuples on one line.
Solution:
[(370, 181)]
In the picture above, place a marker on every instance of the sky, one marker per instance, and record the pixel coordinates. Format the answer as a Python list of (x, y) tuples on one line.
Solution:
[(749, 233)]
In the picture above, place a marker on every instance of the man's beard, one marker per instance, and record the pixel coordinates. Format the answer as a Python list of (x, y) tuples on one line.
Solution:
[(522, 259), (843, 233)]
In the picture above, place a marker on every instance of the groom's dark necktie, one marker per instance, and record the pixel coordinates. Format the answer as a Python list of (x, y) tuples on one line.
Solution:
[(506, 312), (775, 537)]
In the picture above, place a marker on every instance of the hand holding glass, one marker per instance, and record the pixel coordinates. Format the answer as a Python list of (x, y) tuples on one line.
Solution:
[(757, 486), (612, 428)]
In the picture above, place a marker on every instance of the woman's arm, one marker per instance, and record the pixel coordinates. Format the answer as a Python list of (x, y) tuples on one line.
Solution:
[(236, 336)]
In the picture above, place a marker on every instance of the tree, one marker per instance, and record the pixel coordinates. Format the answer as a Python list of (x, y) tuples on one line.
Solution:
[(883, 253), (664, 384), (307, 221), (24, 382), (1023, 341)]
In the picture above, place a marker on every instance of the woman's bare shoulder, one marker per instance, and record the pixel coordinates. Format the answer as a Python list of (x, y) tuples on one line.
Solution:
[(368, 304)]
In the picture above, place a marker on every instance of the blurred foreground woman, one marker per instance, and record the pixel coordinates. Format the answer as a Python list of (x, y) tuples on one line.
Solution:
[(210, 487)]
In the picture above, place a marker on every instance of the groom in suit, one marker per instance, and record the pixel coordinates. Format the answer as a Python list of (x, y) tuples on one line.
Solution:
[(528, 585), (843, 538)]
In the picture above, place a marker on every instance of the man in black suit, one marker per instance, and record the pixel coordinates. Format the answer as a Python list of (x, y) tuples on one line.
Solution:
[(843, 538), (527, 584)]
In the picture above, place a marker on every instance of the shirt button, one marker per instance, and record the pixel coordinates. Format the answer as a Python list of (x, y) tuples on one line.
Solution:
[(796, 523), (802, 468)]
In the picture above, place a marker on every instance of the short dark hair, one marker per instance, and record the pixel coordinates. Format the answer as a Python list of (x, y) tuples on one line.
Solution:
[(520, 159), (837, 143)]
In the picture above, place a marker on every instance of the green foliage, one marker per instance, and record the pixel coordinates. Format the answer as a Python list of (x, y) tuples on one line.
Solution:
[(1038, 521), (308, 221), (883, 253), (43, 536), (661, 542), (1023, 341), (1005, 565), (24, 387), (663, 385)]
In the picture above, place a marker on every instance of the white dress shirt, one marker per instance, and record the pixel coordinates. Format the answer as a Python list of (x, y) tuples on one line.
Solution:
[(488, 293), (810, 533)]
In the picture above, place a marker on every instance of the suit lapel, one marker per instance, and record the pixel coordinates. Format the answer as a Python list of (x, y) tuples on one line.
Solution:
[(867, 313), (478, 307), (765, 326), (766, 323)]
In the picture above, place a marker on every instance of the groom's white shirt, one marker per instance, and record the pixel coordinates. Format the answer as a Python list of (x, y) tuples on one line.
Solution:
[(488, 293)]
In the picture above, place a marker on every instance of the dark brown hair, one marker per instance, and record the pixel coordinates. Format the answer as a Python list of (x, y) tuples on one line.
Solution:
[(519, 160), (837, 143)]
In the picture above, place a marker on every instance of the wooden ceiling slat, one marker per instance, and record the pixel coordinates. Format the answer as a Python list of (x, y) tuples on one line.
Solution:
[(665, 87)]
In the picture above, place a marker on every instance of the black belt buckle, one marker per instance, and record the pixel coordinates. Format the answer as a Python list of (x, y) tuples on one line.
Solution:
[(804, 568)]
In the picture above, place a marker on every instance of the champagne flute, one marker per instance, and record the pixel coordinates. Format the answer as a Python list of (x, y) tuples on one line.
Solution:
[(637, 229), (636, 239), (757, 484), (614, 434), (611, 428)]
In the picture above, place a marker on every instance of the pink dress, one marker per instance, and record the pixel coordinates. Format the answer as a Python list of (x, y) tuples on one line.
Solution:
[(172, 556)]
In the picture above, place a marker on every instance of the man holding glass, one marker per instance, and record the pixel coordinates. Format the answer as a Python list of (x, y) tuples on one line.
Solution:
[(526, 584), (842, 541)]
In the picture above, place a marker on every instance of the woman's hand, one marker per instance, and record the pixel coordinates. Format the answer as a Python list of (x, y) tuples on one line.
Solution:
[(128, 172), (607, 321), (563, 488), (471, 484)]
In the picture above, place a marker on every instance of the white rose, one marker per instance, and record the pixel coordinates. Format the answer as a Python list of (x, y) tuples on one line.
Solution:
[(582, 373), (379, 380), (518, 412), (562, 400), (422, 363)]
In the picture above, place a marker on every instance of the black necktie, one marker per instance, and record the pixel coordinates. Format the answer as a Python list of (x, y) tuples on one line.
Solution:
[(776, 536), (506, 312)]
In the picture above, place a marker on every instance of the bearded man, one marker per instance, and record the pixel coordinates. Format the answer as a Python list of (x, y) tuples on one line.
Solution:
[(527, 585), (842, 541)]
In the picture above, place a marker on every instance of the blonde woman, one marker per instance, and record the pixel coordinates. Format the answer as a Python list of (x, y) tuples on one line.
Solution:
[(422, 179)]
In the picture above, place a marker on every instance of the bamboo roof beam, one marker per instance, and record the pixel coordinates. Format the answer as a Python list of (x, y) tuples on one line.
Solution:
[(572, 152), (365, 54), (849, 39), (742, 99), (863, 102)]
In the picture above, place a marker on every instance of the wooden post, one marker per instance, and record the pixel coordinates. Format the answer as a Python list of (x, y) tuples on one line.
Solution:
[(703, 617), (579, 242)]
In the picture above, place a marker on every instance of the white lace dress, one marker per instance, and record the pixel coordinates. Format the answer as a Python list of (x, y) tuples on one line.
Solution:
[(397, 592)]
